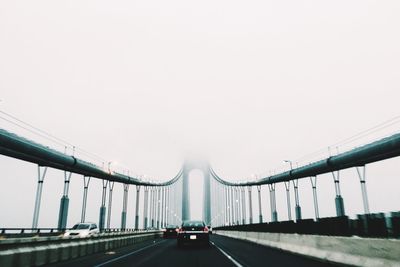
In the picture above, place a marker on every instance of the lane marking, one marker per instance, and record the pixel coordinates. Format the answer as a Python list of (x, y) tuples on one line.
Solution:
[(227, 255), (129, 254)]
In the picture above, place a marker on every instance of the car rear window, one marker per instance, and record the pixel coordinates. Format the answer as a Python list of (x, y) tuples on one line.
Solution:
[(193, 224)]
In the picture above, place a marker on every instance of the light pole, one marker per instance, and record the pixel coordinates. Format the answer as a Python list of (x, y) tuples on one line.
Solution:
[(290, 162)]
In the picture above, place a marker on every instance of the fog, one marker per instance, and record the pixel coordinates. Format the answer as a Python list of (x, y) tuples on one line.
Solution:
[(245, 84)]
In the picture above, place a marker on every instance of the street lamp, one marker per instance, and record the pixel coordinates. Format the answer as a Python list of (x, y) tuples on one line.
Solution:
[(290, 162)]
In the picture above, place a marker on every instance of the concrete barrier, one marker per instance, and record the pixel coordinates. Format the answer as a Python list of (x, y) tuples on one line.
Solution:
[(354, 251), (31, 253), (39, 256), (6, 258), (23, 257)]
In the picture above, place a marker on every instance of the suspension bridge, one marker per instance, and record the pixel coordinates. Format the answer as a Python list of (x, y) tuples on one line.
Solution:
[(241, 238)]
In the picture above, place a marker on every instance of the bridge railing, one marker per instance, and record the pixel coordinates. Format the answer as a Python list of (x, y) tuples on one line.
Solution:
[(59, 238), (43, 232), (366, 225), (29, 232)]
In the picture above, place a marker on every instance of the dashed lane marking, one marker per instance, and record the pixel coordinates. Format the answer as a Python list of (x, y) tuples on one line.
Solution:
[(129, 254), (227, 255)]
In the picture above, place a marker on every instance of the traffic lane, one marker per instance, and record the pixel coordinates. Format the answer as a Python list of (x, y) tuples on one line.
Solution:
[(168, 254), (98, 258), (251, 254)]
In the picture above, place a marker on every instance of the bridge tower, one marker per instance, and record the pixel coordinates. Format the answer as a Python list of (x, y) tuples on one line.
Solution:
[(202, 165)]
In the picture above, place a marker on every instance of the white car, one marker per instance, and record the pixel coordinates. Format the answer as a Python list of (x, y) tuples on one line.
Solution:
[(82, 230)]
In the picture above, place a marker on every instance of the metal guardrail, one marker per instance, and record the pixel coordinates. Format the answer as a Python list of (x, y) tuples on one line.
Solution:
[(31, 230), (19, 240), (37, 232)]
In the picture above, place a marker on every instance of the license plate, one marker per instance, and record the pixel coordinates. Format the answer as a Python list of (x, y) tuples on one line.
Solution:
[(193, 237)]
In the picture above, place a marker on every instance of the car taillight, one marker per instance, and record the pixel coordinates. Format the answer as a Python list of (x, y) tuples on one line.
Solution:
[(205, 229), (177, 229), (180, 230)]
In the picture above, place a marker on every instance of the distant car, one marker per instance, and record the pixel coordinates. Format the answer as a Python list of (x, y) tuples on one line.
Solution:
[(209, 229), (193, 232), (170, 231), (82, 230)]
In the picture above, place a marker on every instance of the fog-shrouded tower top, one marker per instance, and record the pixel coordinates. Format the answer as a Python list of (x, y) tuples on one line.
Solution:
[(193, 163)]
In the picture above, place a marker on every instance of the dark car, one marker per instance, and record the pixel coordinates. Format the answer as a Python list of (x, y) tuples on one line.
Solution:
[(193, 232), (170, 231)]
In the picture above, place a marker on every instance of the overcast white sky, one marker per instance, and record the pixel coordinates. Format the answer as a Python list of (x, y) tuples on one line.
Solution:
[(245, 83)]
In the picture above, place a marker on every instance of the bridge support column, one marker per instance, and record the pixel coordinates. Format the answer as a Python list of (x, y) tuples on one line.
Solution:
[(149, 208), (171, 204), (272, 196), (86, 181), (243, 205), (38, 200), (179, 200), (185, 195), (227, 218), (241, 214), (207, 196), (224, 205), (237, 204), (158, 207), (338, 200), (214, 201), (137, 207), (102, 219), (162, 206), (110, 193), (124, 206), (155, 207), (287, 187), (250, 205), (64, 203), (221, 197), (238, 211), (174, 206), (166, 206), (313, 180), (259, 204), (361, 175), (166, 221), (145, 206), (233, 206), (152, 206), (297, 207)]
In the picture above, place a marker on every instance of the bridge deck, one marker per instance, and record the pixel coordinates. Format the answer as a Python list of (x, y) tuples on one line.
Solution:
[(224, 252)]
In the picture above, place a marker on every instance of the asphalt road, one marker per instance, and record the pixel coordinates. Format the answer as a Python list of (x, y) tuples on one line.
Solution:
[(223, 252)]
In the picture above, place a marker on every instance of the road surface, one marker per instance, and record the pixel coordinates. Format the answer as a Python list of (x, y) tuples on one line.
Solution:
[(223, 252)]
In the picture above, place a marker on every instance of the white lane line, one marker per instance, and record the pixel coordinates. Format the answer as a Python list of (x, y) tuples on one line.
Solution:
[(126, 255), (227, 255)]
